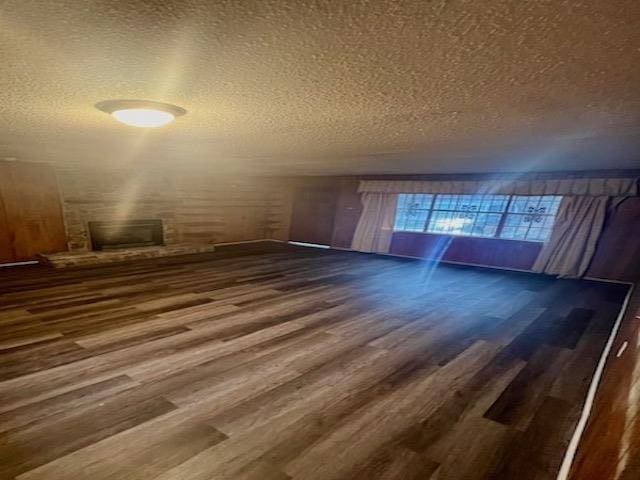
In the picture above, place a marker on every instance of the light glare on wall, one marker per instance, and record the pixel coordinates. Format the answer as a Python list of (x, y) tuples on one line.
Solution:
[(141, 113)]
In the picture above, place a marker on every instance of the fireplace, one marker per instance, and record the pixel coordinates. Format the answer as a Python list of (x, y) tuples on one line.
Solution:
[(125, 234)]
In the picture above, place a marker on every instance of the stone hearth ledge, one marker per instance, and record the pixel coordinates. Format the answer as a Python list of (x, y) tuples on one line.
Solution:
[(78, 259)]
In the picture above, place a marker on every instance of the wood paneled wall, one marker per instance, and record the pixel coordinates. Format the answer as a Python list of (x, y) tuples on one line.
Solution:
[(6, 248), (30, 211), (314, 199), (618, 253), (232, 209), (617, 256), (348, 212), (513, 254)]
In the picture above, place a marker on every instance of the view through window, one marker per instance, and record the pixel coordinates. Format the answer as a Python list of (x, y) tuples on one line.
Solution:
[(516, 217)]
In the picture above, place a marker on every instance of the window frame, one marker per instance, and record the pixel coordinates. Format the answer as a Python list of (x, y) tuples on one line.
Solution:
[(501, 224)]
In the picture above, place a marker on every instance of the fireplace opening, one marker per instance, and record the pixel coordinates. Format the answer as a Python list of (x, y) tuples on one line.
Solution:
[(125, 234)]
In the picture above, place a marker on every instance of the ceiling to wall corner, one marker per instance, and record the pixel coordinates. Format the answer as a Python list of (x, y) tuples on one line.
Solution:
[(326, 87)]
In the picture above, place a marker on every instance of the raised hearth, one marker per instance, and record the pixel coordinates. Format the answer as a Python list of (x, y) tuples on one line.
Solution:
[(78, 259)]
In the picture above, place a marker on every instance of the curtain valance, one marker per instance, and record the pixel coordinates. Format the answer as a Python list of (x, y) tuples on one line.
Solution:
[(611, 187)]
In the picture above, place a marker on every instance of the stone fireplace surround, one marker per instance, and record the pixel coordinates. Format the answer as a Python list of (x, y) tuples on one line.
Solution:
[(81, 253), (112, 247), (197, 210)]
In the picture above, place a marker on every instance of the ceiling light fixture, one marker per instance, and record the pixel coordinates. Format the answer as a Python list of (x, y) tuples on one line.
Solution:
[(141, 113)]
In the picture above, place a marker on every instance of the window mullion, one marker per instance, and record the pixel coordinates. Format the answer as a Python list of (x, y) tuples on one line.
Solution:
[(532, 218), (426, 224), (503, 218)]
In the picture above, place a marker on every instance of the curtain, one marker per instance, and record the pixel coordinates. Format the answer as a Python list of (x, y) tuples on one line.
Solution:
[(375, 227), (578, 225)]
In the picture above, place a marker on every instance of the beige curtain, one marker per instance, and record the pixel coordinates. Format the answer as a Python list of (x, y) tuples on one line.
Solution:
[(375, 227), (576, 230)]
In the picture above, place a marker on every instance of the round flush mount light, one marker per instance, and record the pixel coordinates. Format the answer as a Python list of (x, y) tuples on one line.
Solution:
[(141, 113)]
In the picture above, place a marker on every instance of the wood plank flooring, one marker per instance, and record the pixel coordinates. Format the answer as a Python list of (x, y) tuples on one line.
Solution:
[(301, 364)]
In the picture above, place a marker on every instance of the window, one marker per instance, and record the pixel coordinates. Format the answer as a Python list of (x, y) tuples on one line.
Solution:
[(503, 216), (530, 218), (412, 212)]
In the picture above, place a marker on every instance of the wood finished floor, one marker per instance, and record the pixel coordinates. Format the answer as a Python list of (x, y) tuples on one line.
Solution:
[(293, 365)]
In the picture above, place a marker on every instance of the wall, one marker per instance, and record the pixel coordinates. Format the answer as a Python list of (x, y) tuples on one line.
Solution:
[(207, 208), (512, 254), (610, 445), (314, 198), (618, 251), (195, 208), (617, 256), (31, 220)]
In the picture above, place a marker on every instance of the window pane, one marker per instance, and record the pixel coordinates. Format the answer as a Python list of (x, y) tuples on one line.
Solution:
[(464, 223), (546, 205), (472, 215), (530, 217), (494, 203), (412, 212), (454, 223), (414, 200), (486, 224), (471, 203)]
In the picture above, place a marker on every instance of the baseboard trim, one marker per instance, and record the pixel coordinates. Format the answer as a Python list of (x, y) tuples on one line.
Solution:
[(18, 264), (448, 262), (608, 280), (249, 241), (310, 245)]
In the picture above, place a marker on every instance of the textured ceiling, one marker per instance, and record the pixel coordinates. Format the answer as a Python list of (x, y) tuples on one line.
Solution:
[(317, 87)]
